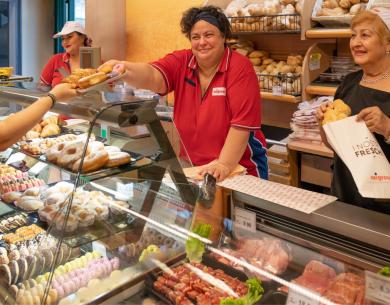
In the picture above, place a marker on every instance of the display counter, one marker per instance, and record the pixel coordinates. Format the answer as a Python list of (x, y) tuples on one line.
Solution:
[(139, 232)]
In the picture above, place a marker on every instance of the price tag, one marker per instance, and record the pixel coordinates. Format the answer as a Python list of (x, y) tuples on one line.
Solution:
[(295, 298), (37, 168), (100, 248), (377, 288), (125, 191), (105, 132), (314, 61), (277, 90), (245, 219)]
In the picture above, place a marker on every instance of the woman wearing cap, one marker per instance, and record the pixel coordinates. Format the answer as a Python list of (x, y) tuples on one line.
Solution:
[(16, 126), (217, 96), (367, 92), (73, 37)]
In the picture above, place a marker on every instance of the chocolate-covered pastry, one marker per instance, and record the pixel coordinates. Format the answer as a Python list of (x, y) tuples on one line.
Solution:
[(5, 275), (31, 262), (39, 266), (14, 267), (23, 268)]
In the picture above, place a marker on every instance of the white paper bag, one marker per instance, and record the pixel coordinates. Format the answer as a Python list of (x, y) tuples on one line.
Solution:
[(361, 153)]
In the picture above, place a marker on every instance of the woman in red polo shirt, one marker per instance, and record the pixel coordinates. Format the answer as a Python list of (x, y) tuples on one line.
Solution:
[(217, 96), (73, 37)]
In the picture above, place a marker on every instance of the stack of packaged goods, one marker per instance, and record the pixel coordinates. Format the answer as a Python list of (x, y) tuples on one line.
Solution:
[(304, 123)]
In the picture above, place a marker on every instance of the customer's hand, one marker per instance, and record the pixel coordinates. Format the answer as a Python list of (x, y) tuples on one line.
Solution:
[(321, 110), (217, 169), (375, 120), (114, 65), (63, 91)]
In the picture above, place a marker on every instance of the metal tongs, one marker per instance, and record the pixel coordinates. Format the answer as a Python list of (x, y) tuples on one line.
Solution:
[(207, 191)]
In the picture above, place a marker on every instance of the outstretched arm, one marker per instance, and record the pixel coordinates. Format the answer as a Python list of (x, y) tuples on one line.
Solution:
[(15, 126), (139, 75)]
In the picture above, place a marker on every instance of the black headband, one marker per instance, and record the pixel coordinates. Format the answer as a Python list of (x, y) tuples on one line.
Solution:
[(208, 18)]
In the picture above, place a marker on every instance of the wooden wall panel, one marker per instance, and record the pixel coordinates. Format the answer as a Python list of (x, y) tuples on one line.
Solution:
[(106, 24), (153, 28)]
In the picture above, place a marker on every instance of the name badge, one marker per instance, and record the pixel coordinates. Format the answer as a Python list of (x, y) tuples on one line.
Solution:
[(219, 91)]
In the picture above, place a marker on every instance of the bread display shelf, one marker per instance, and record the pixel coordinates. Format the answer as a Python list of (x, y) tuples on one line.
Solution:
[(318, 89), (281, 23), (281, 98), (288, 83), (137, 161), (328, 33)]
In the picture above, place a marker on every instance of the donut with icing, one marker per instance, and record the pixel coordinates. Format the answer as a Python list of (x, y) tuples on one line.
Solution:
[(70, 154)]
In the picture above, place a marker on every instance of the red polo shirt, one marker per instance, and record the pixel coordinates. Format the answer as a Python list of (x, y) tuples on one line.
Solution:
[(232, 99), (50, 75)]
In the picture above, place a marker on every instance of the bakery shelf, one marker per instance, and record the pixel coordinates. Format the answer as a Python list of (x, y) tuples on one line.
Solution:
[(289, 83), (281, 23), (329, 33), (318, 89), (137, 162), (281, 98)]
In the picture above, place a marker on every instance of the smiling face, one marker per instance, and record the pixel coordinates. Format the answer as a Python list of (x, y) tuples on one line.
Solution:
[(366, 46), (207, 43), (72, 42)]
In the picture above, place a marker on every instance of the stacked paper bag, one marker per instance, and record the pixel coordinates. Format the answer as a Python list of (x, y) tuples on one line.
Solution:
[(304, 123)]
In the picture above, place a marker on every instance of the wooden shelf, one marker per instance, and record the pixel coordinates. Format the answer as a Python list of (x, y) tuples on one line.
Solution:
[(281, 98), (328, 33), (321, 90), (315, 149)]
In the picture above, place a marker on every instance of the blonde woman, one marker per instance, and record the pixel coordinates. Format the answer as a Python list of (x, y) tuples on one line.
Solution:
[(367, 92)]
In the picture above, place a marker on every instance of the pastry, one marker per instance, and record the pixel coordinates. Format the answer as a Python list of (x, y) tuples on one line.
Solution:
[(14, 267), (49, 259), (32, 135), (31, 263), (70, 154), (5, 275), (336, 111), (91, 80), (50, 130), (105, 69), (34, 191), (13, 290), (50, 120), (39, 266), (117, 158), (94, 160), (23, 269), (10, 197), (29, 204), (85, 218)]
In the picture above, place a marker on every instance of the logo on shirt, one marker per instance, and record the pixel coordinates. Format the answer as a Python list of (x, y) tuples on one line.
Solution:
[(219, 91)]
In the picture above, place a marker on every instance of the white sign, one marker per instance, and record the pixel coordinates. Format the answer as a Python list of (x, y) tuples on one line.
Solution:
[(277, 90), (125, 191), (245, 219), (377, 288), (295, 298), (37, 168), (99, 247)]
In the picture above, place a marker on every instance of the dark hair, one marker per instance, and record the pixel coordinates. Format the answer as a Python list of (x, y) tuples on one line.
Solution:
[(87, 40), (191, 16)]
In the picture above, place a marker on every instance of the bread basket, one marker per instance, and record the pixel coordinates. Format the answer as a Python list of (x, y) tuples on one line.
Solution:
[(331, 21)]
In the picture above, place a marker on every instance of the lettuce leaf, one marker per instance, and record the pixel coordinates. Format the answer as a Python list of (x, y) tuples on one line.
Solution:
[(194, 247), (385, 271), (254, 294)]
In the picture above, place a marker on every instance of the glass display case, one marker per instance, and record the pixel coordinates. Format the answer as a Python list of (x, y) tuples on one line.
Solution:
[(96, 215)]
